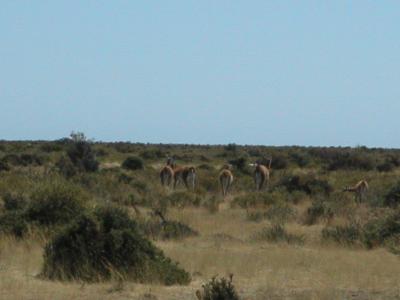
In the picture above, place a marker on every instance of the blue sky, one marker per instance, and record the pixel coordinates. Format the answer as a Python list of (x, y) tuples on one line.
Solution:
[(248, 72)]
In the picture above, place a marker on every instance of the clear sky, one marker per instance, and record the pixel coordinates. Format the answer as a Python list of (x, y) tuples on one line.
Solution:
[(246, 72)]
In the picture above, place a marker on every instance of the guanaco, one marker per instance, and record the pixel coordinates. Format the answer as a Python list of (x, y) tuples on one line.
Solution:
[(184, 174), (225, 179), (360, 190), (167, 173), (261, 174)]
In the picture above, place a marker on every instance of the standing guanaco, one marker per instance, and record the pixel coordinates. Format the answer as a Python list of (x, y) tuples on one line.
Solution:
[(360, 190), (184, 174), (167, 173), (261, 174), (226, 179)]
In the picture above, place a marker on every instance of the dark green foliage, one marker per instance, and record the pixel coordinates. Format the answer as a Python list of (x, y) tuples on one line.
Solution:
[(345, 235), (106, 244), (301, 159), (66, 167), (13, 222), (377, 231), (308, 183), (123, 178), (392, 198), (277, 233), (240, 164), (14, 201), (55, 203), (124, 147), (386, 166), (220, 289), (152, 154), (81, 154), (133, 163), (319, 210), (230, 147), (4, 166), (279, 162), (352, 161), (51, 147), (23, 160)]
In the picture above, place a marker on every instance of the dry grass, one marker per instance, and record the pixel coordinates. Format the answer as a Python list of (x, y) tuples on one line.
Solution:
[(262, 270)]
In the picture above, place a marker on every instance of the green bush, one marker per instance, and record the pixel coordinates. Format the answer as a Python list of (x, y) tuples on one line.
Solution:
[(218, 289), (352, 161), (152, 154), (14, 201), (4, 166), (55, 202), (378, 231), (106, 245), (308, 183), (23, 159), (392, 198), (66, 167), (133, 163), (81, 154), (13, 222)]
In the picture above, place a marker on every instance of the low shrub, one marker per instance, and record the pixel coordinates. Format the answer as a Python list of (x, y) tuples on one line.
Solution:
[(392, 198), (104, 245), (345, 235), (280, 213), (318, 210), (352, 160), (133, 163), (276, 234), (308, 184), (66, 167), (81, 154), (4, 166), (14, 201), (301, 159), (152, 154), (23, 159), (256, 199), (218, 289), (240, 164), (14, 222), (167, 230), (378, 231), (182, 199), (55, 202)]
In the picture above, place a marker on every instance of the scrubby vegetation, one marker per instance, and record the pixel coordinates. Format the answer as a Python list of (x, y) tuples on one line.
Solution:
[(218, 289), (105, 244), (100, 213)]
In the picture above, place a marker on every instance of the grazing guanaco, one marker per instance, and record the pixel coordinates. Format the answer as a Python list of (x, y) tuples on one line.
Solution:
[(185, 174), (167, 173), (261, 174), (360, 190), (226, 179)]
